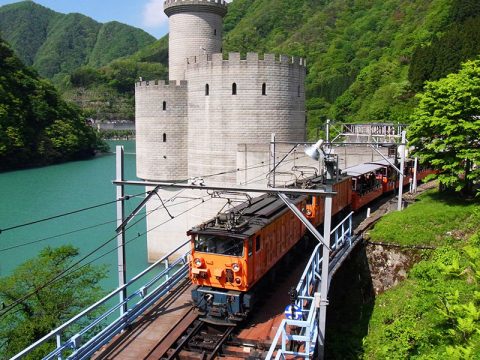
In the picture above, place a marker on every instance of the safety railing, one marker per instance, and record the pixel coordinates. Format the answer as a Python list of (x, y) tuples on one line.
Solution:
[(300, 336), (89, 335)]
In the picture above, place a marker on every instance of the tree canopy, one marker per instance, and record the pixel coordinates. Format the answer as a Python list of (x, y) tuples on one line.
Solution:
[(37, 315), (446, 127), (36, 126)]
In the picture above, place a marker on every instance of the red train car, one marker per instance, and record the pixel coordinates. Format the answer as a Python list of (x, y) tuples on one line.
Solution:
[(367, 183)]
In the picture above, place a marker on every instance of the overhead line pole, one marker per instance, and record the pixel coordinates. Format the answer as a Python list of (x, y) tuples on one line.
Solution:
[(122, 276), (401, 148)]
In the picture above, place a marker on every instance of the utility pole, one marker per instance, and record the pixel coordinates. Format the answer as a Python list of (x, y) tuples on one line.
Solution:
[(322, 313), (122, 277), (272, 156), (401, 149), (415, 168)]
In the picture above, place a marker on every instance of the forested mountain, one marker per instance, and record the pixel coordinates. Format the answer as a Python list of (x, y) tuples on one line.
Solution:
[(366, 59), (36, 126), (56, 44)]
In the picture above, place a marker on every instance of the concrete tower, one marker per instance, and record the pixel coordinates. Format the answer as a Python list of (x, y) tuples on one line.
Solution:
[(214, 115), (195, 29), (161, 128)]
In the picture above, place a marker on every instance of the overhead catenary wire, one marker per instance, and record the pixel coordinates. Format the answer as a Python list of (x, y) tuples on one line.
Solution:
[(260, 176), (65, 214), (62, 234), (56, 236), (138, 236), (67, 272)]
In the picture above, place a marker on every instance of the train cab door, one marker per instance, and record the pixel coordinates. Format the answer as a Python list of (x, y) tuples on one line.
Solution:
[(251, 259), (258, 256)]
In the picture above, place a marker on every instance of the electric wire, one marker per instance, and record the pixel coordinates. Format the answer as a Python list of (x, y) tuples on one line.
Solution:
[(138, 236), (62, 234), (65, 214), (128, 197), (56, 236), (66, 272), (260, 176)]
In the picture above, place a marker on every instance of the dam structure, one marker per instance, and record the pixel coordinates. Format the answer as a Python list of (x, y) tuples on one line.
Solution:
[(214, 115)]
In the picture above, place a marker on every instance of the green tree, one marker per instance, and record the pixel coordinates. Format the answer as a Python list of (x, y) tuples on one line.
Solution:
[(446, 127), (37, 315), (36, 126)]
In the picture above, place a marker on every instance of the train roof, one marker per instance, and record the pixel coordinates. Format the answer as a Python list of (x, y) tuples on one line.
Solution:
[(383, 162), (362, 169), (245, 219)]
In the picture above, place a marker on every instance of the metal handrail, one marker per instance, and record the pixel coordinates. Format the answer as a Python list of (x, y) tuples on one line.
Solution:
[(117, 324), (308, 297)]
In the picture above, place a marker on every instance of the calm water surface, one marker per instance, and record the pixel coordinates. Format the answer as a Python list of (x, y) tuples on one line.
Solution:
[(29, 195)]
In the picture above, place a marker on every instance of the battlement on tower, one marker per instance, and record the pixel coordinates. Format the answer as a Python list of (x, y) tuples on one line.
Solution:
[(171, 7), (253, 59), (161, 84)]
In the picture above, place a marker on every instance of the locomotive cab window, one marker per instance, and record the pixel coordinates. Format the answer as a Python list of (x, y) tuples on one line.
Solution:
[(257, 243), (219, 245), (250, 247)]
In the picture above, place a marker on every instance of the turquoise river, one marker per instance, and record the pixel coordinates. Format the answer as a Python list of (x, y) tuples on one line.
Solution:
[(35, 194)]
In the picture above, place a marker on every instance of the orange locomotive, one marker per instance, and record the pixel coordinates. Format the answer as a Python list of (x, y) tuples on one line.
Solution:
[(233, 252)]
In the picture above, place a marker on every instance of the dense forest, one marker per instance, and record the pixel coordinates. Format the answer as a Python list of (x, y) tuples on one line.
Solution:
[(56, 44), (37, 127), (366, 59)]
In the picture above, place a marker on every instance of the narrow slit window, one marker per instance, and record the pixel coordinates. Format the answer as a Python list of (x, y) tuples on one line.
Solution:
[(207, 90), (264, 89), (215, 32), (164, 105), (234, 89), (164, 137), (298, 91), (257, 243)]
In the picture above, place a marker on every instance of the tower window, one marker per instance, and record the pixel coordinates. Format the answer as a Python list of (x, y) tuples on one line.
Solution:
[(164, 137), (298, 91), (234, 89), (215, 32), (164, 105), (207, 90), (264, 89)]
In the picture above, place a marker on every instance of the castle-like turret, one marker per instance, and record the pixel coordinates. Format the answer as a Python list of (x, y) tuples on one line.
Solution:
[(195, 29), (216, 114)]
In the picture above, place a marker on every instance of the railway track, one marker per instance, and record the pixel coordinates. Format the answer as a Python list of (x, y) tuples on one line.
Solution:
[(193, 339), (202, 341)]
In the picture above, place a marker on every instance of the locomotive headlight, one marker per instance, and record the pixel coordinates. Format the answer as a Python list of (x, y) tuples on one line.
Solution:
[(236, 267), (198, 262)]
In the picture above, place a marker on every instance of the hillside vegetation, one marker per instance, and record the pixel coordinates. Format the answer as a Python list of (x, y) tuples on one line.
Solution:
[(56, 44), (366, 60), (36, 126), (435, 312)]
